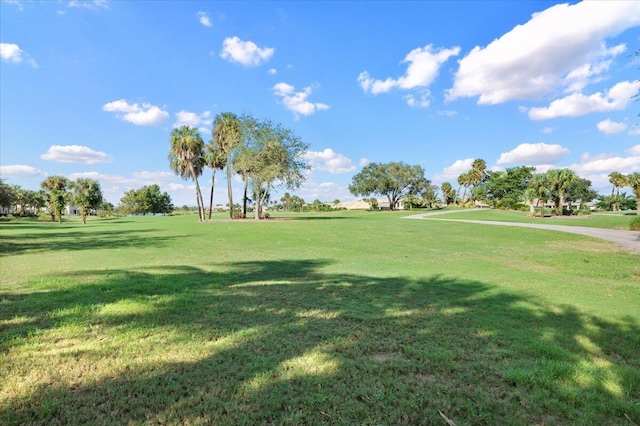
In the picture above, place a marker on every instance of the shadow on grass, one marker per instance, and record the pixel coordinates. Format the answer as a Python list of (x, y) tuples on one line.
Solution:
[(50, 239), (283, 342)]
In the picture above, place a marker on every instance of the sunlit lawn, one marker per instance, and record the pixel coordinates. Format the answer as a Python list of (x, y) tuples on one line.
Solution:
[(619, 220), (341, 318)]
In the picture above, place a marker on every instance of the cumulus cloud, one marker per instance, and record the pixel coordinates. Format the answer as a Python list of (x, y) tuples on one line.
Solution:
[(19, 170), (153, 176), (203, 18), (577, 104), (144, 115), (297, 101), (424, 64), (364, 162), (635, 132), (545, 54), (533, 154), (422, 100), (330, 161), (186, 118), (272, 71), (11, 52), (246, 53), (547, 130), (74, 154), (454, 170), (609, 127), (597, 168)]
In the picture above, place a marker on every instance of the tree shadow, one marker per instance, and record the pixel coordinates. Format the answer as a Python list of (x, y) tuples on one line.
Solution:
[(57, 240), (285, 342)]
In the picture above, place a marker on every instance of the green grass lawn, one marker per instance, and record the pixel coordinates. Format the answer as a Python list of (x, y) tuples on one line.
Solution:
[(595, 220), (337, 318)]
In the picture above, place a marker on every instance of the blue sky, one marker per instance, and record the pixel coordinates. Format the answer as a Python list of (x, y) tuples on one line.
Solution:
[(94, 88)]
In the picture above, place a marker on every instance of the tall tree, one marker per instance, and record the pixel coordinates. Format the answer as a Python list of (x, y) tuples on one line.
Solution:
[(57, 195), (529, 195), (633, 180), (215, 159), (87, 195), (227, 134), (273, 157), (147, 199), (393, 180), (7, 195), (186, 158)]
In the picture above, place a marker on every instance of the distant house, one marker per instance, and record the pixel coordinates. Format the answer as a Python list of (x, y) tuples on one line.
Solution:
[(383, 204)]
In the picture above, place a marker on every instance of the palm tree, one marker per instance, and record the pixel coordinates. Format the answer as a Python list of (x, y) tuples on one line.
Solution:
[(539, 183), (465, 179), (618, 180), (186, 158), (530, 196), (446, 189), (87, 195), (57, 195), (633, 180), (215, 159), (559, 182), (227, 134)]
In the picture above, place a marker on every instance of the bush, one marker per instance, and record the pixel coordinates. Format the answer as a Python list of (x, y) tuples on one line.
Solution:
[(635, 224)]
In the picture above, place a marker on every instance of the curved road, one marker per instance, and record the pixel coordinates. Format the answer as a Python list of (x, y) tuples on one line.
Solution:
[(628, 239)]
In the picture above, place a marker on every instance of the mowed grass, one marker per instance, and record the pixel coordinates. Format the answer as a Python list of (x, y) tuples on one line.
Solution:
[(340, 318), (595, 220)]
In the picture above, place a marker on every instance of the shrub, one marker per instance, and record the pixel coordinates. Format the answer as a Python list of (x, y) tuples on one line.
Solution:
[(635, 224)]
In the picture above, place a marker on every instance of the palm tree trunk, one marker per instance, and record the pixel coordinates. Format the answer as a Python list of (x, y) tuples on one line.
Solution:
[(213, 181), (229, 191), (244, 196)]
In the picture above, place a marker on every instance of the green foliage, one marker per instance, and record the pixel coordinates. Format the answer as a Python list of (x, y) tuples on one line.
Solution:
[(187, 160), (393, 180), (635, 224), (227, 137), (146, 200), (55, 188), (87, 196), (7, 195), (509, 184)]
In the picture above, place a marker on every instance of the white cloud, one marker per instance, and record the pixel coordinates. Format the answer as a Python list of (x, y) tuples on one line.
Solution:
[(89, 4), (19, 170), (153, 176), (547, 130), (577, 104), (186, 118), (593, 166), (324, 191), (447, 113), (364, 162), (634, 150), (634, 132), (272, 71), (297, 101), (609, 127), (330, 161), (203, 18), (74, 154), (453, 171), (533, 154), (422, 100), (246, 53), (11, 52), (144, 115), (424, 64), (546, 53)]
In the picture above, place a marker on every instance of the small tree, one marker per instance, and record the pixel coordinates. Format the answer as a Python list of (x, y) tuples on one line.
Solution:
[(633, 180), (57, 196), (186, 158), (87, 195)]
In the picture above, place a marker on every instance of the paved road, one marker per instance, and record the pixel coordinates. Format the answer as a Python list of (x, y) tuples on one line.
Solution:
[(628, 239)]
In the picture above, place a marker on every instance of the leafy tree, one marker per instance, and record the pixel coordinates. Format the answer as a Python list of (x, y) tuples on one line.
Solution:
[(215, 159), (186, 158), (297, 203), (87, 195), (286, 201), (633, 180), (146, 200), (272, 156), (430, 196), (7, 195), (507, 186), (580, 190), (55, 188), (393, 180), (411, 201), (227, 135)]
